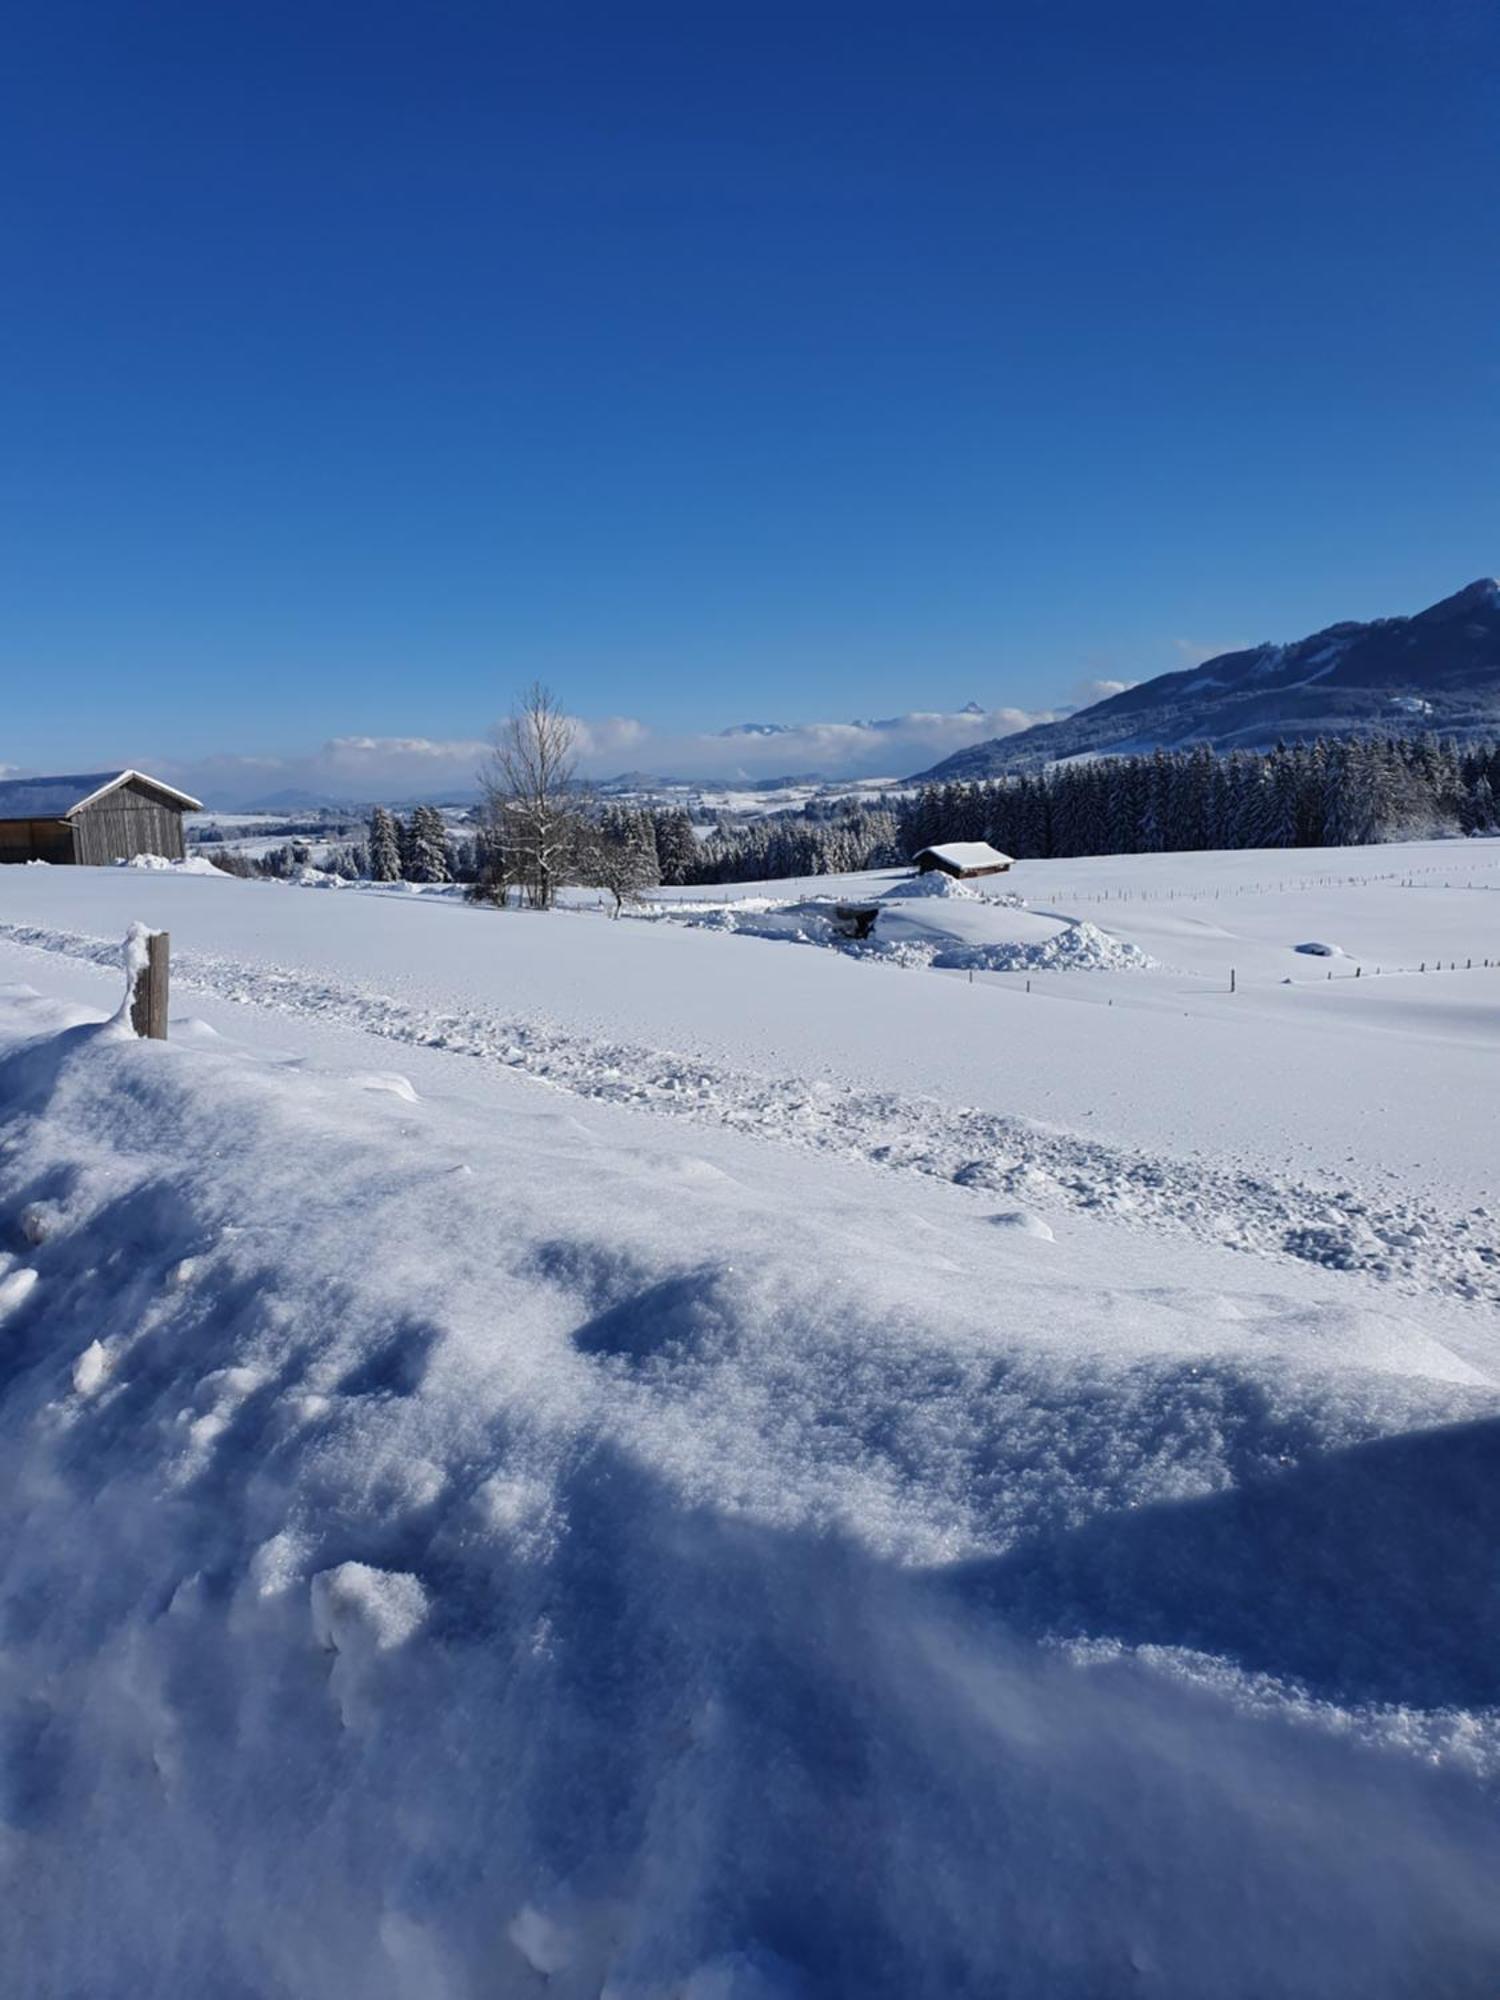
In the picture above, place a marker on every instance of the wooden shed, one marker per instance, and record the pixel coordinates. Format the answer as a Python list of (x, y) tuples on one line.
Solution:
[(93, 819), (963, 858)]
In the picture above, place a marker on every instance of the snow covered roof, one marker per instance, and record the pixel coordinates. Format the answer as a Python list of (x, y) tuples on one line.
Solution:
[(968, 854), (58, 798)]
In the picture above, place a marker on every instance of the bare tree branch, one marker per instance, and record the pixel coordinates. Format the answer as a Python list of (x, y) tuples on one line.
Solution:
[(530, 799)]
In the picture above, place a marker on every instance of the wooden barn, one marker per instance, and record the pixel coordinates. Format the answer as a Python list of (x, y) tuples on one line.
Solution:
[(91, 820), (963, 858)]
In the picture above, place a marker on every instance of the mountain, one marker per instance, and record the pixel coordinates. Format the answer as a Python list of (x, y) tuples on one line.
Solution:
[(627, 782), (292, 799), (1437, 670)]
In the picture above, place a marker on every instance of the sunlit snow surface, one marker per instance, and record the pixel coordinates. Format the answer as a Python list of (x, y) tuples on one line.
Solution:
[(468, 1538)]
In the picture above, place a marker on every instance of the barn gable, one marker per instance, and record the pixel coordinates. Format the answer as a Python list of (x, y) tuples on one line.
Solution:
[(93, 818), (60, 798)]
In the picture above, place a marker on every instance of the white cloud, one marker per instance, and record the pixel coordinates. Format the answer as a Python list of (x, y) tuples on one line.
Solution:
[(361, 767), (888, 747), (612, 736), (357, 750)]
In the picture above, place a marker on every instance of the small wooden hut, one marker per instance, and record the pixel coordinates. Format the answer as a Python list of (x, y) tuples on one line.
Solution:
[(93, 819), (962, 859)]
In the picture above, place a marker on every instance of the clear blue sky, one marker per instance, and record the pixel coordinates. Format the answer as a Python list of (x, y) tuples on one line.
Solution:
[(714, 361)]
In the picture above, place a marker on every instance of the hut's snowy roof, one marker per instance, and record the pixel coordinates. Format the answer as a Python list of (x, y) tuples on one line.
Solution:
[(968, 854), (56, 798)]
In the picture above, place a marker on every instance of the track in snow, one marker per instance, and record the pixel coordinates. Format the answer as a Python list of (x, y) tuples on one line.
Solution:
[(1410, 1244)]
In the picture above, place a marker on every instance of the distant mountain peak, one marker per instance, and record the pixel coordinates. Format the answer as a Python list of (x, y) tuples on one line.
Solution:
[(1437, 669), (1480, 595)]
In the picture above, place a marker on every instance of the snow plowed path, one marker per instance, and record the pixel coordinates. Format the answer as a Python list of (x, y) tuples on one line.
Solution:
[(1409, 1243)]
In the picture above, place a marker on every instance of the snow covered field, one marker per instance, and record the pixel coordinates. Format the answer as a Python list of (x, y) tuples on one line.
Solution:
[(543, 1455)]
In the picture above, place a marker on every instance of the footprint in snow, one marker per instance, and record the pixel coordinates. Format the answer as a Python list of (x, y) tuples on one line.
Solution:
[(685, 1167), (14, 1287), (90, 1369), (1024, 1224), (390, 1081)]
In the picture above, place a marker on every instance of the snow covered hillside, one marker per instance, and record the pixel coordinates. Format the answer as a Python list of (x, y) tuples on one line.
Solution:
[(549, 1456)]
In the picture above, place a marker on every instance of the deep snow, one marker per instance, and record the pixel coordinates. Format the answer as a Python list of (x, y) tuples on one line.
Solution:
[(466, 1539), (921, 921), (1346, 1120)]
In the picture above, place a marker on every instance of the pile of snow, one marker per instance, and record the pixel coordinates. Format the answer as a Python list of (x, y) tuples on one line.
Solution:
[(987, 933), (446, 1553), (194, 864), (936, 883), (1067, 947), (796, 923), (1075, 947)]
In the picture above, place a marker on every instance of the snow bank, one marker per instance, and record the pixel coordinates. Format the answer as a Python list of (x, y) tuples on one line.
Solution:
[(983, 943), (936, 883), (194, 864), (482, 1575), (1075, 947)]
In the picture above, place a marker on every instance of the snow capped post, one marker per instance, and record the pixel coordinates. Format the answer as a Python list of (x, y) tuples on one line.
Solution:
[(146, 956)]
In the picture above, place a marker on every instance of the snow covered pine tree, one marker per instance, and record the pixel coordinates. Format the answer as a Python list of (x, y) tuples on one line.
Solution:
[(385, 847)]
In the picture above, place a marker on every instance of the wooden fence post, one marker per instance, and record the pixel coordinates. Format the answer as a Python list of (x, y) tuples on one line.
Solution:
[(148, 998)]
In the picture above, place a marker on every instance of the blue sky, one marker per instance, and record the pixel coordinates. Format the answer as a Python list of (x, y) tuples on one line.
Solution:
[(719, 363)]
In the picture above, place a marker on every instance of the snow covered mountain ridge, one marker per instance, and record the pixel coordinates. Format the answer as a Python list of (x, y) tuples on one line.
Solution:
[(1439, 669)]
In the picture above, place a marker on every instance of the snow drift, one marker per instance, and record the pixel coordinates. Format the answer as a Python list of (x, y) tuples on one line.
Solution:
[(193, 864), (441, 1560), (990, 931)]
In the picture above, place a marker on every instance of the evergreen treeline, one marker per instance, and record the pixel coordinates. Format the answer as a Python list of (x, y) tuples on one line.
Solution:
[(806, 843), (1345, 793), (638, 847)]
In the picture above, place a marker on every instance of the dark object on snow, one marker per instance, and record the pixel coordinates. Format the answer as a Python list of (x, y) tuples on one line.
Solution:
[(963, 858), (855, 920), (92, 820)]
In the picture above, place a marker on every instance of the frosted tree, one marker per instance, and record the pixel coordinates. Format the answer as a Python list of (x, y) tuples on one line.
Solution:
[(385, 847), (1479, 811), (676, 846), (530, 799), (427, 858), (617, 853)]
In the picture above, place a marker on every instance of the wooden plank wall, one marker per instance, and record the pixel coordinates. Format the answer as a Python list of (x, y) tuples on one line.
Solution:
[(127, 821)]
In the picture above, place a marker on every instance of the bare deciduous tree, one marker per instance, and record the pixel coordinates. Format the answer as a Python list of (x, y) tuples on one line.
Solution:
[(530, 800)]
